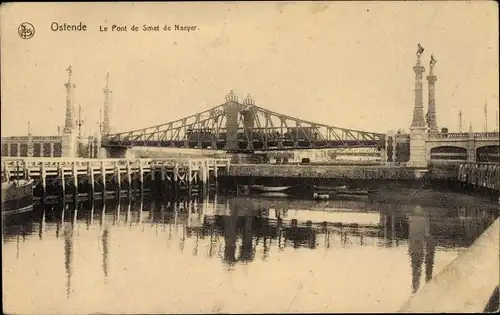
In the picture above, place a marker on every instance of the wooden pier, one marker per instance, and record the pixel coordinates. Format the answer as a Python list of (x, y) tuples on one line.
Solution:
[(484, 175), (105, 177)]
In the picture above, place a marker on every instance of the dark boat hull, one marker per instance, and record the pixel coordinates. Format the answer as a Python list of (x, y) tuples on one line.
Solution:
[(17, 198)]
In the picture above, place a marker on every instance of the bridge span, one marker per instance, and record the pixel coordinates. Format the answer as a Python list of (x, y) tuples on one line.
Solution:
[(244, 127)]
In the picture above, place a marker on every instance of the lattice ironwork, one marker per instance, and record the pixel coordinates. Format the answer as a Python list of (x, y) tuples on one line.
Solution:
[(235, 126)]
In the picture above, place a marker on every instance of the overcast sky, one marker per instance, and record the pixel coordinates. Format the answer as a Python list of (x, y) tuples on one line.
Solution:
[(343, 64)]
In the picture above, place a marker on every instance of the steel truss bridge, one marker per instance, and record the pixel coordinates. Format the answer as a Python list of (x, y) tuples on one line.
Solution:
[(244, 127)]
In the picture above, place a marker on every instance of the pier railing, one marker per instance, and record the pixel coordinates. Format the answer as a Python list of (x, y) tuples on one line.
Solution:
[(11, 163), (486, 175)]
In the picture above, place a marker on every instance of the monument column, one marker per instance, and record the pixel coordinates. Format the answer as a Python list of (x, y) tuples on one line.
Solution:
[(69, 132), (390, 141), (30, 142), (471, 146), (418, 127), (106, 123), (383, 153), (431, 112)]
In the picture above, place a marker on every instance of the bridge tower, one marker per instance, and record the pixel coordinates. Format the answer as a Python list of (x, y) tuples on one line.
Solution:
[(431, 112), (232, 109), (69, 132), (418, 127), (248, 113), (106, 122)]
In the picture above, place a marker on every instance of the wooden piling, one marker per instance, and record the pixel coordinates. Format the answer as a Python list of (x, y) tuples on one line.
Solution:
[(205, 181), (43, 176), (141, 177), (189, 179), (90, 171), (17, 170), (200, 180), (118, 181), (216, 181), (129, 179), (207, 167), (162, 179), (176, 180), (152, 166), (152, 174), (75, 182), (103, 175), (63, 182)]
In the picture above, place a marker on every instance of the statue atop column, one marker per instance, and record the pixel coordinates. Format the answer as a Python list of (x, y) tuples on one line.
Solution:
[(69, 72), (420, 50), (432, 62)]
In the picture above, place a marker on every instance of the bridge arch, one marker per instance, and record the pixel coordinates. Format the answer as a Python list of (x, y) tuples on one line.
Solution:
[(448, 154), (488, 153)]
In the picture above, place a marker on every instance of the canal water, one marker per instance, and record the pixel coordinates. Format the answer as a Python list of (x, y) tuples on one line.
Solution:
[(233, 254)]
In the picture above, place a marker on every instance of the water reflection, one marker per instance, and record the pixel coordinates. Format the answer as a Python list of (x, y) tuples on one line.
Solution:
[(418, 230), (68, 258), (105, 252), (239, 230)]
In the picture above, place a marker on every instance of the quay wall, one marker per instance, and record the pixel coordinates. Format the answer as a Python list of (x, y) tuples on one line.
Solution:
[(324, 171)]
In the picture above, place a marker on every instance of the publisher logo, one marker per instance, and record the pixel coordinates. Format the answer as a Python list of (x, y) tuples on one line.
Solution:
[(26, 30)]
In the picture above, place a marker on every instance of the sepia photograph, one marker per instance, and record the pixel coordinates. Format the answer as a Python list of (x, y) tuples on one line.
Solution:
[(250, 157)]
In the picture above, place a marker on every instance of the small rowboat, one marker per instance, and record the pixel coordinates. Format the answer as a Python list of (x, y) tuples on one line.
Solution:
[(274, 194), (263, 188), (330, 188)]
